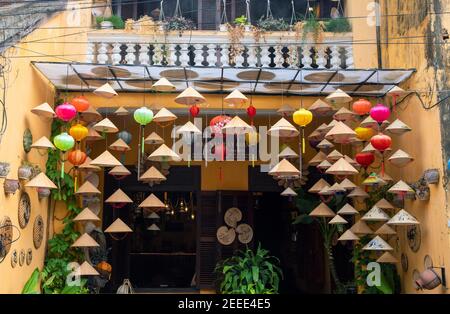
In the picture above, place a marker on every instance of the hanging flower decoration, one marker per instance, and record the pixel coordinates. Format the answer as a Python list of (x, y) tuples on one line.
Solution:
[(80, 103), (361, 107), (125, 136), (194, 110), (251, 112), (64, 142), (66, 112), (76, 158), (78, 132)]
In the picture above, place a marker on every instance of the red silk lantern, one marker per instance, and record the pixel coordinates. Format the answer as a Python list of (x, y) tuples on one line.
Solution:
[(218, 122), (380, 113), (80, 103), (361, 107), (251, 111), (194, 110), (76, 157), (365, 159), (381, 142)]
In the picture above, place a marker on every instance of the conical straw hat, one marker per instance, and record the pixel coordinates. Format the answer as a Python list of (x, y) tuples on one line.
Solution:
[(41, 181), (121, 111), (377, 244), (86, 269), (86, 165), (85, 240), (119, 171), (188, 128), (351, 161), (153, 227), (164, 115), (383, 204), (400, 158), (374, 180), (338, 97), (86, 215), (334, 156), (120, 197), (190, 97), (336, 188), (105, 91), (338, 220), (43, 143), (368, 149), (317, 159), (106, 126), (315, 136), (343, 114), (235, 97), (325, 144), (153, 215), (283, 128), (386, 177), (322, 211), (340, 133), (387, 258), (118, 226), (106, 159), (284, 169), (330, 125), (401, 188), (403, 218), (320, 107), (120, 146), (163, 85), (164, 153), (154, 139), (358, 192), (348, 236), (398, 127), (90, 115), (152, 175), (93, 136), (87, 188), (237, 126), (285, 110), (360, 227), (318, 186), (44, 110), (326, 191), (323, 128), (385, 230), (287, 153), (348, 209), (152, 202), (289, 192), (375, 214), (396, 92), (369, 122), (347, 184), (341, 168), (324, 165)]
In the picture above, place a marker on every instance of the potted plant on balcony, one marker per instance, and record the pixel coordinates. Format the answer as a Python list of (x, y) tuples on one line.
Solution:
[(271, 24), (112, 22), (242, 22), (338, 25), (310, 27), (178, 23)]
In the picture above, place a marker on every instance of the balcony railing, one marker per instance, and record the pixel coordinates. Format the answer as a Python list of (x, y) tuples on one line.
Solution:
[(214, 49)]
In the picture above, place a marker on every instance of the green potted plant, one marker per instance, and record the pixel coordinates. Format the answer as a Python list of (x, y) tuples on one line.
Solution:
[(178, 23), (112, 22), (271, 24), (310, 27), (338, 25), (242, 21), (249, 272)]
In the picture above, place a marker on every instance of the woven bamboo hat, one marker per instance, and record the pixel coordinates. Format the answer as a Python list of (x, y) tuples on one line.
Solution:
[(90, 115), (288, 192), (85, 240), (383, 204), (341, 168), (338, 97), (324, 165), (285, 169), (118, 226), (338, 220), (377, 244), (44, 110), (401, 188), (41, 181), (369, 122), (326, 191), (348, 236), (153, 215), (287, 153), (87, 188), (340, 133), (153, 227), (188, 128), (283, 128), (396, 92), (106, 159), (86, 215), (105, 91), (347, 184), (368, 149), (152, 175), (319, 107), (334, 156), (164, 115), (374, 180), (235, 97), (336, 188), (325, 144), (385, 230), (375, 214), (400, 158), (360, 227), (318, 186), (119, 196), (154, 139), (351, 161), (237, 126), (163, 85), (119, 171), (105, 126), (387, 258), (386, 177), (93, 136), (121, 111), (86, 269), (323, 128), (322, 211), (348, 209), (286, 110), (317, 159), (190, 97), (398, 127), (403, 218), (86, 165), (152, 202), (43, 143), (315, 136), (343, 114), (164, 153), (358, 193), (120, 146)]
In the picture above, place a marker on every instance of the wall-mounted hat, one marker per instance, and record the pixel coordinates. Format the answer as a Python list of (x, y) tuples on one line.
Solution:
[(374, 180), (288, 192), (87, 188), (325, 144), (336, 188), (340, 133), (341, 168), (396, 92), (368, 149), (106, 159), (287, 153), (85, 240), (347, 184), (385, 230), (164, 153), (43, 143), (283, 128), (387, 258), (383, 204), (400, 158), (317, 159), (190, 97), (322, 211), (119, 171), (343, 114), (326, 191), (360, 227), (118, 226), (152, 202), (86, 269), (401, 188), (105, 91), (121, 111), (375, 214), (105, 126), (338, 220), (164, 115), (324, 165), (285, 169), (153, 227), (319, 185), (44, 110), (163, 85), (90, 115), (93, 136), (403, 218), (358, 193), (86, 215), (86, 165), (348, 236), (119, 197), (153, 215), (319, 107), (338, 97), (377, 244), (152, 175), (348, 209), (398, 127), (41, 181), (334, 156), (316, 136), (153, 139)]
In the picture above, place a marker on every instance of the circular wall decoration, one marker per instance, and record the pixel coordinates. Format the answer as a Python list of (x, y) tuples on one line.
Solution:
[(29, 257), (415, 276), (27, 140), (6, 237), (225, 236), (21, 257), (14, 258), (427, 262), (245, 233), (404, 262), (414, 235), (24, 209), (232, 216), (38, 231)]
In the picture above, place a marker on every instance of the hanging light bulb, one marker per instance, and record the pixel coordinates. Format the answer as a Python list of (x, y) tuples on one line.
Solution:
[(192, 216)]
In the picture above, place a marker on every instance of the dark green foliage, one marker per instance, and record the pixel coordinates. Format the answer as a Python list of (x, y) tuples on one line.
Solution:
[(116, 21), (177, 23), (338, 25), (271, 24)]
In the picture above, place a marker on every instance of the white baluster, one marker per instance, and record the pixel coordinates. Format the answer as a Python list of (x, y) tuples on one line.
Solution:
[(115, 56), (198, 59), (335, 58), (171, 57), (144, 58), (279, 60), (90, 53), (157, 54), (239, 59), (307, 60), (349, 61), (293, 57), (130, 58), (102, 56), (265, 59), (212, 55), (225, 55), (252, 59), (184, 56), (320, 61)]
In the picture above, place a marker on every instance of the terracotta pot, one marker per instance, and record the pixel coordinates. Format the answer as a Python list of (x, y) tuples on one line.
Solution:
[(428, 280), (4, 169), (431, 176), (423, 193), (11, 186), (43, 192), (24, 172)]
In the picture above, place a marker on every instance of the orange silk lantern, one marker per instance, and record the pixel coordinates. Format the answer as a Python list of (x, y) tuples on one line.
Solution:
[(76, 158), (80, 103), (78, 132), (361, 107)]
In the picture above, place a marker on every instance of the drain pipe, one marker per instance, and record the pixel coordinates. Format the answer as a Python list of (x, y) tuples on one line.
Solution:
[(378, 33)]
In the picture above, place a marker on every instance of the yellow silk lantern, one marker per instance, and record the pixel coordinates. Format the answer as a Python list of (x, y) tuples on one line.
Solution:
[(78, 132), (302, 117), (364, 134)]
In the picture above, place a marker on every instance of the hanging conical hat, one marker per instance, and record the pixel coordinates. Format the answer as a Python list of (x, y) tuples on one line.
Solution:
[(153, 215), (120, 197), (403, 218), (288, 192), (105, 126), (105, 91), (118, 226), (401, 188), (90, 115), (318, 186), (119, 171), (285, 169), (190, 97), (154, 139), (164, 115), (317, 159), (163, 85), (330, 125), (334, 156), (87, 188), (338, 220), (358, 192), (338, 97), (373, 180), (398, 127), (323, 128), (341, 168), (121, 111), (41, 181), (86, 215), (287, 153), (396, 92), (326, 190), (315, 136), (120, 146), (93, 136), (43, 143), (348, 209), (385, 230), (347, 184), (85, 240), (44, 110), (283, 128), (375, 214), (400, 158), (324, 165), (387, 258), (235, 97), (152, 175), (86, 269), (286, 110), (188, 128), (360, 227), (322, 211), (369, 122), (351, 161), (152, 202), (343, 114), (325, 144), (153, 227), (368, 149), (320, 107), (336, 188), (340, 133), (348, 236), (383, 204), (377, 244), (386, 177), (86, 165), (106, 159), (237, 126), (164, 153)]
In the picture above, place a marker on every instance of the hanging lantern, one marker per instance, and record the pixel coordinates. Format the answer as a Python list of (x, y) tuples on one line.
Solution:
[(251, 112), (64, 142), (302, 118), (66, 112), (76, 158), (78, 132), (125, 136), (381, 142), (364, 134), (143, 116), (361, 107), (194, 110), (80, 103), (218, 122), (380, 113), (365, 159)]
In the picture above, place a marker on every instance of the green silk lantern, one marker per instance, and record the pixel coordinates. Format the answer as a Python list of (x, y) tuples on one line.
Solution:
[(143, 116), (63, 142)]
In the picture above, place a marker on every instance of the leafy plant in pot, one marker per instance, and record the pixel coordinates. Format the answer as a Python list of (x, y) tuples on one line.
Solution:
[(242, 22), (112, 22), (271, 24), (178, 23)]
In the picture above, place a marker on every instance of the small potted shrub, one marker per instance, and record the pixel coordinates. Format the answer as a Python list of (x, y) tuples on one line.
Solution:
[(178, 23), (112, 22), (271, 24), (243, 22), (338, 25)]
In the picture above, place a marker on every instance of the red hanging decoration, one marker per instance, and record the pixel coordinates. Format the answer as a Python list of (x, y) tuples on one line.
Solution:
[(381, 142), (218, 122), (251, 111), (361, 107), (365, 159), (194, 111)]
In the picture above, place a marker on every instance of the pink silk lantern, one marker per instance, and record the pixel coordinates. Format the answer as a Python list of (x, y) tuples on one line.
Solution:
[(66, 112), (380, 113)]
